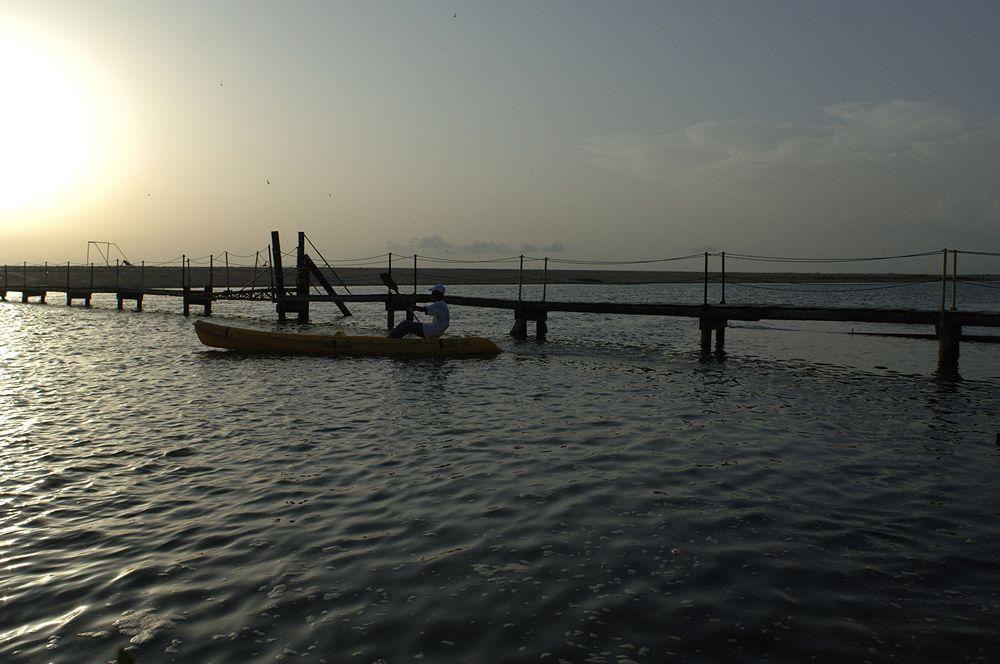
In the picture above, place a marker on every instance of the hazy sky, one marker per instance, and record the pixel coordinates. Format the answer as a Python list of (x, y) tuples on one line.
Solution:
[(611, 130)]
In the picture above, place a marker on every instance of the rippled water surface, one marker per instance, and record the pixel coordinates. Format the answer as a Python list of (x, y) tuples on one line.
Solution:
[(603, 497)]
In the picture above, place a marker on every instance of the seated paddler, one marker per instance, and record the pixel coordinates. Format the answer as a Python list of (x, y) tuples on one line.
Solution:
[(438, 309)]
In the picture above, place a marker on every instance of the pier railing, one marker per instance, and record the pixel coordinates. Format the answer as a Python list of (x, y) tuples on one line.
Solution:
[(250, 275)]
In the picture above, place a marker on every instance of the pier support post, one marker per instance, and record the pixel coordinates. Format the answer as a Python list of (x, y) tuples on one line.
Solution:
[(277, 276), (524, 313), (720, 338), (949, 335), (302, 279), (707, 324), (541, 329), (520, 329)]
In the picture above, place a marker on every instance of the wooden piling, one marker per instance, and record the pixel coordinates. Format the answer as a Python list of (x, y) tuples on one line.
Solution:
[(409, 312), (706, 340), (520, 279), (302, 279), (277, 276), (390, 308), (184, 285), (722, 300), (944, 277), (520, 329), (949, 336), (707, 324), (720, 338), (954, 279), (545, 277), (706, 278)]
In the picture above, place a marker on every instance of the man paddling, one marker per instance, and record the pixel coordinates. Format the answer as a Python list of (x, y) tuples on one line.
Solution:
[(438, 309)]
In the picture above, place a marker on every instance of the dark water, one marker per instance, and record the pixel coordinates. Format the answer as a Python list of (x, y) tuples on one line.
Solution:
[(604, 497)]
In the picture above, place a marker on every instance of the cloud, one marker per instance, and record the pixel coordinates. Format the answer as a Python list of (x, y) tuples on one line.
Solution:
[(435, 243), (878, 167)]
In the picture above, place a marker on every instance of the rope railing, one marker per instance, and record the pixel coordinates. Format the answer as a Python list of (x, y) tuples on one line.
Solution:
[(432, 259), (567, 261), (858, 289), (856, 259)]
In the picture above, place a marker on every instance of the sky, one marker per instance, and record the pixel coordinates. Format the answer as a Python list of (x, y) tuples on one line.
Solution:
[(479, 130)]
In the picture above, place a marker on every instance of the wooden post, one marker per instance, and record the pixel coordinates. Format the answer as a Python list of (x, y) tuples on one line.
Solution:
[(409, 312), (142, 280), (707, 324), (706, 336), (520, 278), (723, 299), (277, 276), (184, 285), (949, 335), (227, 269), (954, 279), (541, 325), (944, 277), (211, 272), (302, 279), (545, 277), (272, 270), (706, 279), (520, 329), (390, 309)]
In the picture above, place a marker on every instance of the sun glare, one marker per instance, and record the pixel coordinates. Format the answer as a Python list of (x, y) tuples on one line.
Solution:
[(50, 129)]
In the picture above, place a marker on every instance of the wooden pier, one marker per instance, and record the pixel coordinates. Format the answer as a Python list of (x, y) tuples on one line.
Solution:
[(268, 283)]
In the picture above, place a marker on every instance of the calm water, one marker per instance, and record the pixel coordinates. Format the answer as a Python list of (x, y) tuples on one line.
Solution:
[(603, 497)]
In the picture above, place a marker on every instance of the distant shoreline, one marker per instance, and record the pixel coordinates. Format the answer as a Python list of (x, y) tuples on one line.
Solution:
[(104, 277)]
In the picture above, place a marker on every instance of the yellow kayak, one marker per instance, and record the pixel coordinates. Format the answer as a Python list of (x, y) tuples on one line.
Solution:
[(260, 341)]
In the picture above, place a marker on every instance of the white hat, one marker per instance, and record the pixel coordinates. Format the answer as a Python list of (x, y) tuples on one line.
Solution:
[(437, 287)]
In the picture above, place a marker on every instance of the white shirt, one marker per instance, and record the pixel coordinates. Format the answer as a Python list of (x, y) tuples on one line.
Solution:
[(439, 310)]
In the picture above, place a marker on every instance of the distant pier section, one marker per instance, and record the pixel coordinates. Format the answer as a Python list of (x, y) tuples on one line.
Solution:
[(312, 279)]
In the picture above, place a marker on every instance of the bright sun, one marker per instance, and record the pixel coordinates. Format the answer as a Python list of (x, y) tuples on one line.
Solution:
[(50, 133)]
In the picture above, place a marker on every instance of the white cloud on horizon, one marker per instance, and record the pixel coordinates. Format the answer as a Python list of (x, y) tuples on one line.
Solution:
[(881, 168)]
